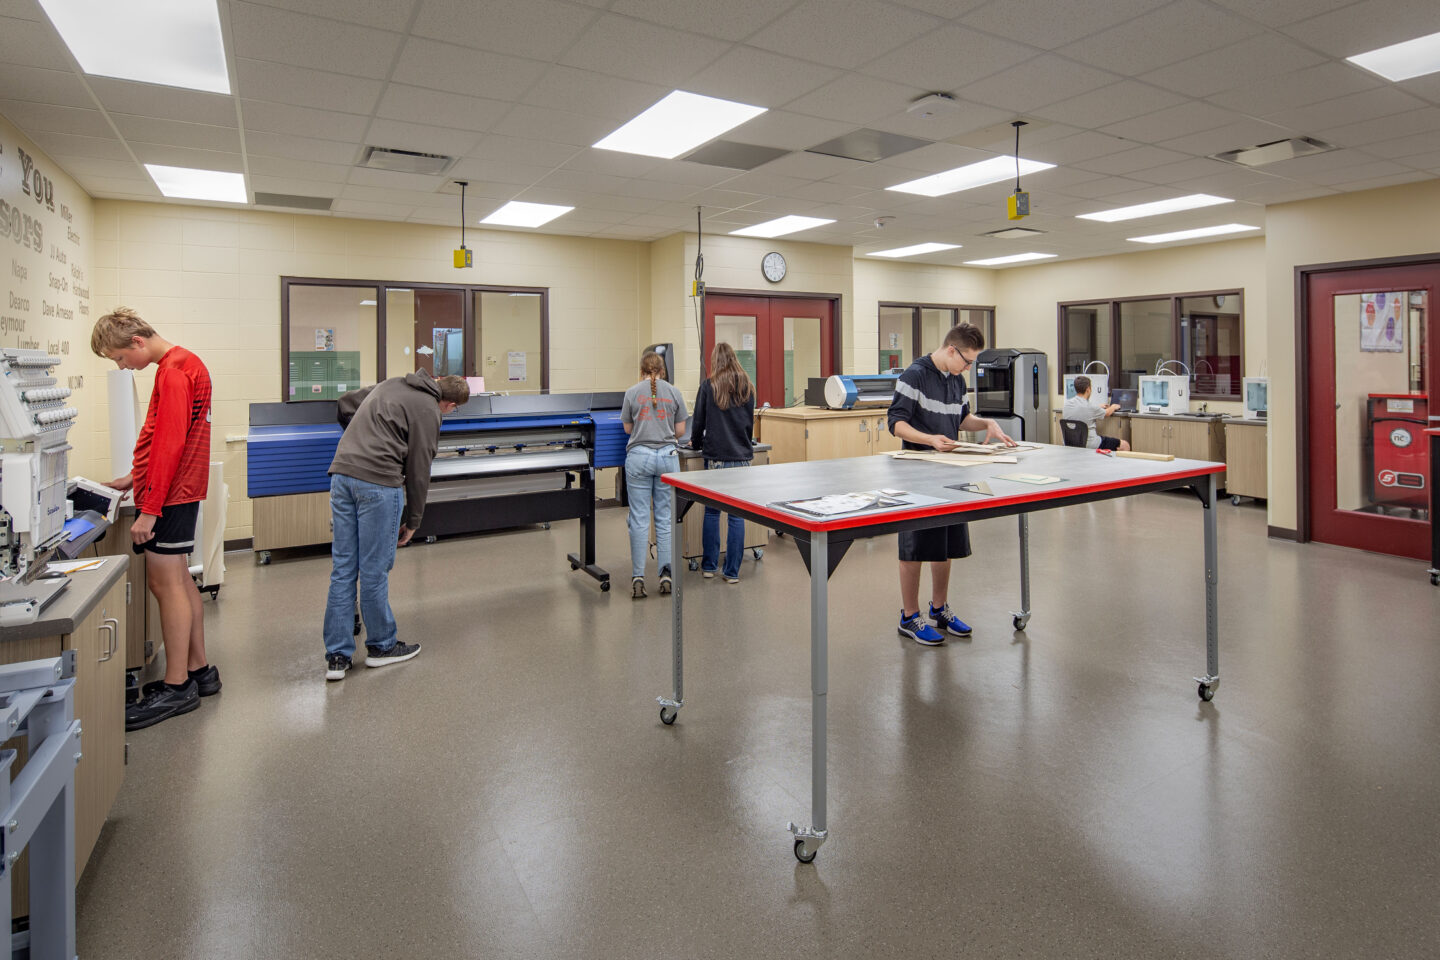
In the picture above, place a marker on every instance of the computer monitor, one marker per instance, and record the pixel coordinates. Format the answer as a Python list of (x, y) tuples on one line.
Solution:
[(1125, 397)]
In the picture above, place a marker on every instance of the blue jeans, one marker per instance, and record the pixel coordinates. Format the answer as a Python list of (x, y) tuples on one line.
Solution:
[(367, 527), (734, 531), (643, 466)]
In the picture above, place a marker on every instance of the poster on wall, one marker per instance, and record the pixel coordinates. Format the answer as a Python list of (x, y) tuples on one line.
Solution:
[(515, 360), (325, 338), (1381, 330)]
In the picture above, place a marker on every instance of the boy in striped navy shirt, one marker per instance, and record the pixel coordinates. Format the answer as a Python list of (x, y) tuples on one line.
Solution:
[(928, 413), (169, 476)]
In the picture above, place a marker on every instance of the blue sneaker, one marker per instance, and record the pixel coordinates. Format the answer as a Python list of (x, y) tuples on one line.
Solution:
[(948, 622), (918, 630)]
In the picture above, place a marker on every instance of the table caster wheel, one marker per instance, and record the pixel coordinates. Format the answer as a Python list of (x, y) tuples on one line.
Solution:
[(545, 525), (800, 851), (604, 586), (1207, 692), (1235, 501), (214, 592), (429, 539), (758, 552), (694, 565), (1435, 579), (263, 558), (1019, 623), (667, 717)]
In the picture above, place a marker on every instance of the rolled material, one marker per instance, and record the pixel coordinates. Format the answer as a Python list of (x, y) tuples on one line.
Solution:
[(211, 546), (124, 419), (1138, 455)]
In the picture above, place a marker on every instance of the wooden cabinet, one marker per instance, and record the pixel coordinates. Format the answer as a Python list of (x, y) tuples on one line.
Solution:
[(691, 536), (1245, 450), (1190, 439), (295, 520), (141, 634), (797, 434)]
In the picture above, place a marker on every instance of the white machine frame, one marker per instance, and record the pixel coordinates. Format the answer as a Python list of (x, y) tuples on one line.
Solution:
[(1099, 382), (1250, 412), (1177, 389)]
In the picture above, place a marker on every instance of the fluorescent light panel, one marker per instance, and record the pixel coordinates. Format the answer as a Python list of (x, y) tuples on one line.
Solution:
[(915, 250), (1013, 258), (1192, 234), (678, 124), (1401, 61), (1172, 205), (187, 183), (518, 213), (172, 42), (970, 176), (780, 227)]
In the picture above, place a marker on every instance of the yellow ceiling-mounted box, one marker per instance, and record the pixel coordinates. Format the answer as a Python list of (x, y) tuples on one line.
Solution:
[(1018, 205), (464, 258)]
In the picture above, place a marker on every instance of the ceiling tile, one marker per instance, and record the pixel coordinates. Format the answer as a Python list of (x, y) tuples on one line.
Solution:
[(1326, 81), (1277, 13), (1131, 161), (946, 9), (628, 48), (844, 33), (302, 121), (368, 209), (559, 126), (759, 77), (1044, 23), (1118, 101), (790, 131), (1405, 147), (39, 85), (520, 150), (855, 99), (539, 29), (265, 33), (298, 169), (692, 174), (1365, 132), (174, 133), (1366, 105), (107, 187), (1036, 83), (282, 83), (937, 157), (77, 167), (1394, 180), (498, 171), (609, 162), (1171, 122), (66, 145), (1360, 172), (595, 94), (32, 43), (947, 58), (444, 66), (810, 166), (382, 14), (293, 186), (1082, 146), (1366, 26), (576, 180), (1426, 87), (394, 180), (169, 103), (436, 108), (962, 123), (1232, 136), (1256, 58), (35, 118), (173, 156), (732, 20), (421, 138), (1174, 32), (285, 146)]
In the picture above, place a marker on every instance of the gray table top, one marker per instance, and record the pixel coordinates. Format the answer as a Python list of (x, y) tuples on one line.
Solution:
[(1082, 472), (74, 604)]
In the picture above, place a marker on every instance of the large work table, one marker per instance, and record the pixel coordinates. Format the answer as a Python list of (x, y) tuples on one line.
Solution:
[(755, 493)]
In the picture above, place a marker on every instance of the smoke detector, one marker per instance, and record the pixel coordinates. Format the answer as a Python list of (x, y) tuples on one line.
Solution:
[(882, 222), (933, 105)]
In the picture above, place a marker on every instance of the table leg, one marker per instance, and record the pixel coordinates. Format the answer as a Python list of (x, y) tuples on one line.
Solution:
[(808, 840), (1022, 616), (1211, 681), (670, 706)]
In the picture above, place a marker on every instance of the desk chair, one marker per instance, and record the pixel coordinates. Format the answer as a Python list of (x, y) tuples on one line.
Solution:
[(1075, 432)]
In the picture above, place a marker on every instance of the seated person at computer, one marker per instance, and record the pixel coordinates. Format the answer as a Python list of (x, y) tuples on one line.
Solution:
[(1090, 412)]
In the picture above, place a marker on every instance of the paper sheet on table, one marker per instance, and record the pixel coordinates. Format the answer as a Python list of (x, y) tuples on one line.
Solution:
[(1038, 479), (954, 459), (990, 449), (71, 566), (840, 504)]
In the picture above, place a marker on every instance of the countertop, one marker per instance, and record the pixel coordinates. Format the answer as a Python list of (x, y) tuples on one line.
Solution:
[(74, 604), (818, 413)]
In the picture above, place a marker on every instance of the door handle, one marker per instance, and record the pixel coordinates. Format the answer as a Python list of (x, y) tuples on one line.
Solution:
[(105, 625), (114, 634)]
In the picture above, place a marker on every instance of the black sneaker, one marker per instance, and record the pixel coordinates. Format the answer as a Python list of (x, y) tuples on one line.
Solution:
[(207, 678), (375, 657), (335, 666), (666, 583), (163, 704)]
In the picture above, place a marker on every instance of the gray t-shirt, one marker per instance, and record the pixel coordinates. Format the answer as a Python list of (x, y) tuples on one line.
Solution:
[(652, 422), (1090, 411)]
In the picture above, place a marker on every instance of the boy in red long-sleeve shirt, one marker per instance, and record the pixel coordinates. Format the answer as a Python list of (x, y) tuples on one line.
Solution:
[(170, 475)]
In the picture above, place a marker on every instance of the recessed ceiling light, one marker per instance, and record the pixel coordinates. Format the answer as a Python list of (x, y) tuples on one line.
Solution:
[(518, 213), (915, 250), (186, 183), (1013, 258), (1156, 208), (677, 124), (1192, 234), (172, 42), (1401, 61), (967, 177), (780, 227)]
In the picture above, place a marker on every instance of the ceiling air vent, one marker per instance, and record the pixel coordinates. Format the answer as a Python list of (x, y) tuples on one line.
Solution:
[(1014, 233), (1274, 151), (292, 200), (868, 146), (406, 161), (735, 155)]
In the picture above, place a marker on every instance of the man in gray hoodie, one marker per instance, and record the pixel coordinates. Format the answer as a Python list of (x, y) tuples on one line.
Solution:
[(378, 482)]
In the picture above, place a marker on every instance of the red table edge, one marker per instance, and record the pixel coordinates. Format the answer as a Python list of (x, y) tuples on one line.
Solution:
[(870, 519)]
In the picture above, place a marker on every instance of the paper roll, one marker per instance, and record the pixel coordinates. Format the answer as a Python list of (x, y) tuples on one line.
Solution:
[(210, 548), (124, 419)]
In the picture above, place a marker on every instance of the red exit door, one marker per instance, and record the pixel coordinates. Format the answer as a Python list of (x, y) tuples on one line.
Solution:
[(1371, 382), (780, 341)]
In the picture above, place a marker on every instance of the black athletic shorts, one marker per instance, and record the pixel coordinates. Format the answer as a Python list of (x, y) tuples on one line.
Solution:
[(174, 530), (936, 544), (1109, 443)]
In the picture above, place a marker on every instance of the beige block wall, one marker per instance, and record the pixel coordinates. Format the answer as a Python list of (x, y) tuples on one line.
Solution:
[(209, 278), (1390, 222), (878, 281)]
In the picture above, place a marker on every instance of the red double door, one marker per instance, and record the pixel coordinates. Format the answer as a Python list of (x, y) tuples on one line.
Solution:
[(780, 341), (1372, 375)]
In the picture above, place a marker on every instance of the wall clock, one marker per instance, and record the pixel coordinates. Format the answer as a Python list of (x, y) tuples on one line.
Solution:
[(773, 266)]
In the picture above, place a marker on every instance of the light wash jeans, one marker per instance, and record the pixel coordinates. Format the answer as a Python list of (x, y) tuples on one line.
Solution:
[(367, 526), (734, 531), (643, 466)]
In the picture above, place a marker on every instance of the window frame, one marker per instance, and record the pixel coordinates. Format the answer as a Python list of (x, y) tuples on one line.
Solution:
[(1176, 337), (382, 287), (915, 308)]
